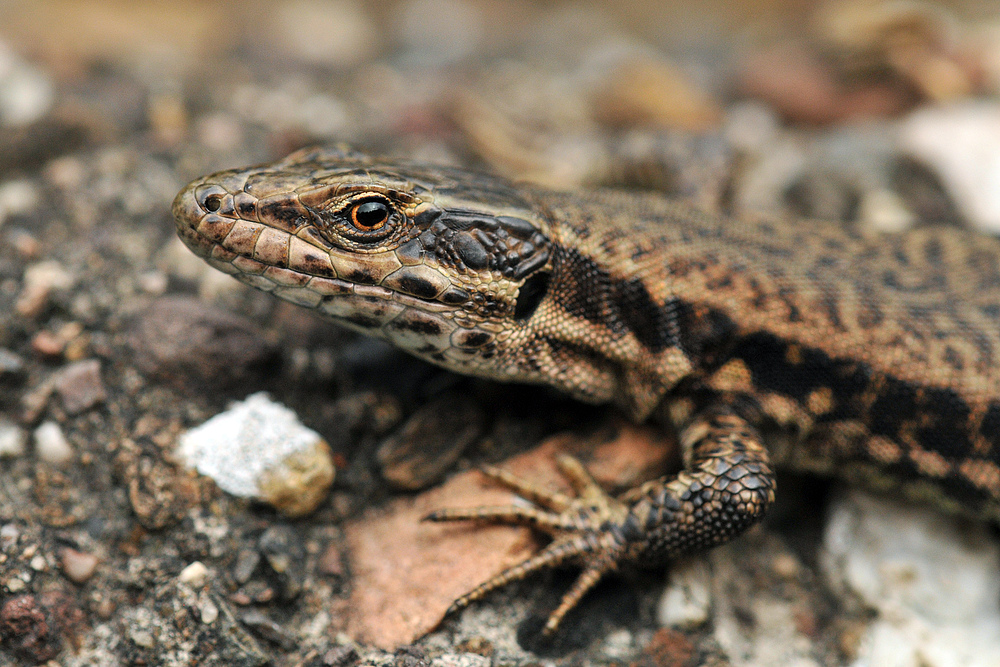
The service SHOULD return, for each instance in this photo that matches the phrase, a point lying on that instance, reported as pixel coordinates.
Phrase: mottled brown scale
(879, 354)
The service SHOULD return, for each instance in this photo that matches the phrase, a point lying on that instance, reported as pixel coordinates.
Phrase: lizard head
(447, 264)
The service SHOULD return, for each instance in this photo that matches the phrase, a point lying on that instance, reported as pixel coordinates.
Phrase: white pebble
(961, 143)
(933, 578)
(26, 94)
(209, 611)
(9, 534)
(259, 449)
(17, 196)
(39, 280)
(12, 439)
(885, 211)
(49, 274)
(38, 563)
(51, 445)
(194, 574)
(687, 599)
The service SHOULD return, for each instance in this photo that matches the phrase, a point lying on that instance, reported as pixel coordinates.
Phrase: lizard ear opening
(530, 295)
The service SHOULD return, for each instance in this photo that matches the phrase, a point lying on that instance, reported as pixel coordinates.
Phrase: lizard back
(882, 349)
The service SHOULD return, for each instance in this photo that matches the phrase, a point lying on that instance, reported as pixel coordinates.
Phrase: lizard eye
(370, 215)
(369, 222)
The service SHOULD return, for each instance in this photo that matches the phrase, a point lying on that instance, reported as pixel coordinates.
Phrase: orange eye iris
(370, 215)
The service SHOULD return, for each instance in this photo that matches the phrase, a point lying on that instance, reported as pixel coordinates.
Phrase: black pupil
(371, 214)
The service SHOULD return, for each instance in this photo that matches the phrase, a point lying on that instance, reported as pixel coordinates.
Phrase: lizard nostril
(213, 203)
(213, 198)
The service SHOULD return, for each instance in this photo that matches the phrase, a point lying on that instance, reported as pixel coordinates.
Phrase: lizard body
(878, 354)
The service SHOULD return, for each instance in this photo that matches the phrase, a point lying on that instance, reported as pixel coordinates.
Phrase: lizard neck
(613, 306)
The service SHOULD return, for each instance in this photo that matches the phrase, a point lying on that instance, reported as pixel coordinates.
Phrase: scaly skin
(878, 356)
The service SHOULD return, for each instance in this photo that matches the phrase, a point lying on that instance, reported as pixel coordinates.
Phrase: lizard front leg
(726, 486)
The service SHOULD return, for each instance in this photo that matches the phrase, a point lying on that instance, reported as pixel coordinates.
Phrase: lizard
(764, 341)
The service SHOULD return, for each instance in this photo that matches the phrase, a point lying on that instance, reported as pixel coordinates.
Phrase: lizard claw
(585, 529)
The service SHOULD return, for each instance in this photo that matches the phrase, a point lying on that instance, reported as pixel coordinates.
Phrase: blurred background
(559, 92)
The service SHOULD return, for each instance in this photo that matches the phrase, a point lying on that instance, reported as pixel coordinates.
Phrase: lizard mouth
(375, 294)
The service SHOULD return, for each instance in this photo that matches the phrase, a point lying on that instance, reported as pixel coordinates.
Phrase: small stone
(153, 282)
(27, 245)
(885, 211)
(104, 607)
(59, 342)
(786, 566)
(38, 563)
(51, 445)
(78, 566)
(35, 400)
(247, 561)
(47, 344)
(80, 387)
(26, 93)
(194, 574)
(331, 563)
(920, 570)
(9, 534)
(299, 483)
(19, 196)
(430, 442)
(209, 611)
(11, 364)
(284, 554)
(12, 439)
(264, 627)
(822, 195)
(751, 126)
(40, 279)
(141, 637)
(184, 340)
(168, 117)
(961, 145)
(67, 172)
(687, 600)
(259, 449)
(24, 629)
(339, 656)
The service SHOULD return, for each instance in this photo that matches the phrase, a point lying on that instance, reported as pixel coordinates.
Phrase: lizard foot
(726, 487)
(585, 528)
